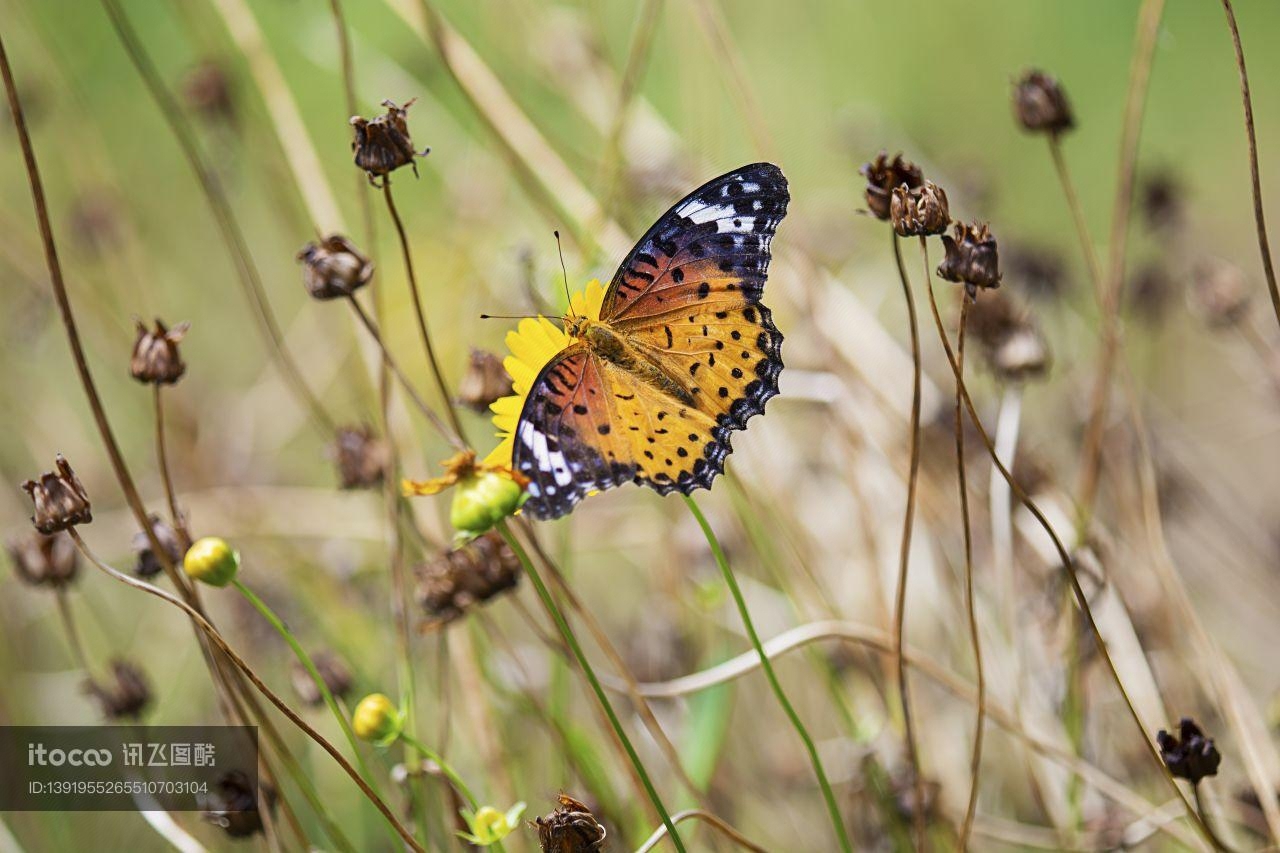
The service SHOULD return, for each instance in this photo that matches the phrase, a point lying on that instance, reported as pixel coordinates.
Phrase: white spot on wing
(738, 225)
(699, 212)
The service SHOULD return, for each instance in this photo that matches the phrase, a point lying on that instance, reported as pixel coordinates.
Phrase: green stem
(309, 665)
(767, 666)
(566, 632)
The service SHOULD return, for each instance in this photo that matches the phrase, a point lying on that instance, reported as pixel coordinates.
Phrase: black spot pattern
(692, 282)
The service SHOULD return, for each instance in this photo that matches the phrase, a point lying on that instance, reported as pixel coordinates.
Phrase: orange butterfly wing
(688, 299)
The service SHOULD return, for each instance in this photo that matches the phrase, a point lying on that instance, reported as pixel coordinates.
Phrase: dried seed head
(334, 268)
(233, 804)
(1040, 104)
(571, 828)
(884, 176)
(1011, 342)
(919, 211)
(382, 145)
(332, 671)
(156, 360)
(1220, 293)
(125, 696)
(208, 91)
(459, 579)
(94, 222)
(147, 564)
(1161, 200)
(60, 499)
(44, 560)
(1149, 292)
(485, 381)
(972, 257)
(1190, 755)
(361, 457)
(1037, 271)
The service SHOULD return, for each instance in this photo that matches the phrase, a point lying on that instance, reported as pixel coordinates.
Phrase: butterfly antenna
(567, 300)
(509, 316)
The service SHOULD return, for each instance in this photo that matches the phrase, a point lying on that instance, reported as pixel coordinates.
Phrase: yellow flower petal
(533, 344)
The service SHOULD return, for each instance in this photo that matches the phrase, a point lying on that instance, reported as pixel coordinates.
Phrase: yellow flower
(212, 561)
(533, 343)
(377, 719)
(489, 826)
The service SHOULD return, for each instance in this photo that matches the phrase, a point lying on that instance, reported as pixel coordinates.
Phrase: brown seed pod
(334, 673)
(571, 828)
(382, 145)
(919, 212)
(883, 177)
(334, 268)
(125, 696)
(972, 257)
(60, 499)
(485, 381)
(42, 560)
(147, 564)
(459, 579)
(362, 458)
(156, 360)
(1040, 104)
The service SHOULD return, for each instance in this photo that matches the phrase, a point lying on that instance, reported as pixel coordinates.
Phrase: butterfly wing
(717, 236)
(689, 297)
(565, 440)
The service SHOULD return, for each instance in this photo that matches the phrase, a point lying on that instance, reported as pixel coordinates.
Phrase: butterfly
(683, 354)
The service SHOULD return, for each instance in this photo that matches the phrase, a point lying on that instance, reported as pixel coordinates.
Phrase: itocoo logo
(39, 755)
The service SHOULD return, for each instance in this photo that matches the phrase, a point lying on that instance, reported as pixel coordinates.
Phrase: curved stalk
(730, 581)
(565, 631)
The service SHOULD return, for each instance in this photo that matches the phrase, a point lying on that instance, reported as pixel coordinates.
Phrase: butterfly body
(682, 354)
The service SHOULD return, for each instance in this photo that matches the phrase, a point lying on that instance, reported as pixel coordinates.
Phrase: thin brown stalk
(975, 760)
(1264, 246)
(73, 635)
(389, 360)
(619, 665)
(1077, 217)
(54, 265)
(711, 820)
(217, 639)
(346, 58)
(904, 550)
(228, 228)
(166, 477)
(1139, 77)
(881, 641)
(420, 314)
(1068, 565)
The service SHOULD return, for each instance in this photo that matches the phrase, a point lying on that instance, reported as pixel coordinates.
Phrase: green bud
(377, 720)
(211, 560)
(482, 500)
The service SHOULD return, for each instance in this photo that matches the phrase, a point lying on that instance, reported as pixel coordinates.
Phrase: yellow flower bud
(489, 826)
(377, 719)
(482, 500)
(212, 561)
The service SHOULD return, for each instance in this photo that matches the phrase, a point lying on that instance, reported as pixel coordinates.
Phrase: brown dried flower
(972, 257)
(1161, 200)
(1191, 755)
(147, 563)
(1011, 342)
(60, 499)
(1040, 104)
(383, 144)
(233, 804)
(362, 458)
(1220, 293)
(1038, 271)
(126, 696)
(919, 211)
(42, 560)
(208, 90)
(457, 580)
(571, 828)
(485, 381)
(884, 176)
(156, 360)
(334, 268)
(332, 670)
